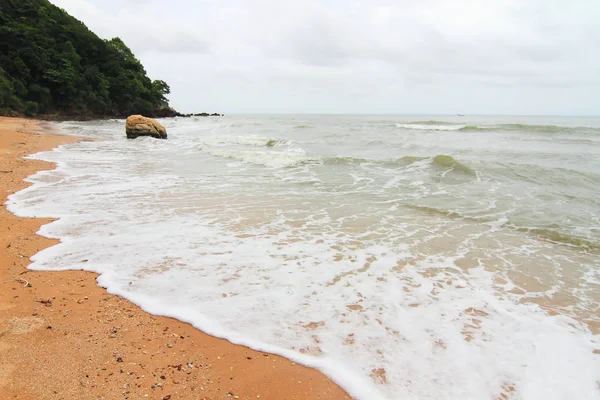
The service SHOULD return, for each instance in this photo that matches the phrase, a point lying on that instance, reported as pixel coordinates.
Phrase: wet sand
(63, 337)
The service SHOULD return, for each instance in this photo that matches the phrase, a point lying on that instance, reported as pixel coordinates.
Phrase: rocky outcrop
(201, 115)
(138, 125)
(165, 112)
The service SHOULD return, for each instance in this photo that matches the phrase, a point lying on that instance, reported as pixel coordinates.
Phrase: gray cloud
(375, 56)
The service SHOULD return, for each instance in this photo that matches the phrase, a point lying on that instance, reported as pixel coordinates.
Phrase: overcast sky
(376, 56)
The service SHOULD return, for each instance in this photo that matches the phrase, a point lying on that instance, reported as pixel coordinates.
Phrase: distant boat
(461, 115)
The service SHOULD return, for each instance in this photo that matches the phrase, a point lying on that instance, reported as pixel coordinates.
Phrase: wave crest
(564, 238)
(443, 126)
(255, 141)
(434, 125)
(343, 160)
(446, 161)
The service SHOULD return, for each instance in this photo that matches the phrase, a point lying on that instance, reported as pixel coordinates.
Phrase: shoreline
(62, 336)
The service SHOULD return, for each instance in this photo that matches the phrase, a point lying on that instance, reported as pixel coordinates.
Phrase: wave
(475, 128)
(376, 142)
(257, 141)
(538, 128)
(446, 161)
(532, 128)
(342, 160)
(437, 211)
(547, 234)
(518, 128)
(441, 161)
(274, 159)
(443, 126)
(434, 122)
(560, 237)
(275, 142)
(451, 126)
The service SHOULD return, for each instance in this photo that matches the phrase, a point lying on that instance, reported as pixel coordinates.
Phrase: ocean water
(406, 257)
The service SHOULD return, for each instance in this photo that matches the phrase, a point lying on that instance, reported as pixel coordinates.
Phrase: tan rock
(138, 125)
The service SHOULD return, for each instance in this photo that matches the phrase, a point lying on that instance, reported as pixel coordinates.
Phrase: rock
(166, 112)
(137, 125)
(204, 114)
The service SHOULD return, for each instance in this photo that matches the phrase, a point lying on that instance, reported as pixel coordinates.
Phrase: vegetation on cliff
(51, 63)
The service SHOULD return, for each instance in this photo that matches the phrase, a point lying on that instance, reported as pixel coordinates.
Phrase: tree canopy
(51, 63)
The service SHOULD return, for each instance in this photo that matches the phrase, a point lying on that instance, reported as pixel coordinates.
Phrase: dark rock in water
(138, 125)
(200, 115)
(166, 112)
(206, 115)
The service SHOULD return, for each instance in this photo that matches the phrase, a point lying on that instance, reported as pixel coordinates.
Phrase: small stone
(170, 346)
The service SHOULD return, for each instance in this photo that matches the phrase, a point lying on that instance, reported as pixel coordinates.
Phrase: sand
(63, 337)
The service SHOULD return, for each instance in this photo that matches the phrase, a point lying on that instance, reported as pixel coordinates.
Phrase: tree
(51, 62)
(160, 90)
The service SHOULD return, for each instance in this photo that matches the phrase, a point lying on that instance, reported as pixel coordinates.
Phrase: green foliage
(31, 108)
(51, 63)
(162, 89)
(6, 90)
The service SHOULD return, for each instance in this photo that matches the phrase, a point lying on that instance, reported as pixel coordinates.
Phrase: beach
(367, 201)
(401, 256)
(64, 337)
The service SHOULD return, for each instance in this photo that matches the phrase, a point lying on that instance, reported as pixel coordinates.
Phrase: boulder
(166, 112)
(137, 125)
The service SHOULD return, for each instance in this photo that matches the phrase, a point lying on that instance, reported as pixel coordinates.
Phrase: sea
(406, 257)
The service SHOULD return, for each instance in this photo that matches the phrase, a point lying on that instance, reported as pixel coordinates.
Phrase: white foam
(365, 290)
(428, 127)
(276, 159)
(251, 140)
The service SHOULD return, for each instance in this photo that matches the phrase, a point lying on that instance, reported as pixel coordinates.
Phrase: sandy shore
(63, 337)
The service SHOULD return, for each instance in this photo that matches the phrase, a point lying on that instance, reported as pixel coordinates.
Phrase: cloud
(139, 25)
(362, 56)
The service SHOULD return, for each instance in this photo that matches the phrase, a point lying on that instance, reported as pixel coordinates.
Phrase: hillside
(51, 64)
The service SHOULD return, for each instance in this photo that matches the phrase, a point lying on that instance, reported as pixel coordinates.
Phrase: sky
(536, 57)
